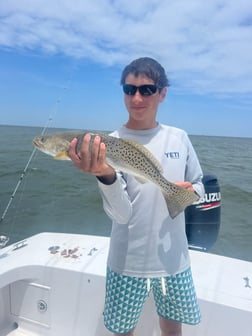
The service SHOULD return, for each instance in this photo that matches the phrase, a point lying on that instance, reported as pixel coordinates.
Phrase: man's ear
(162, 94)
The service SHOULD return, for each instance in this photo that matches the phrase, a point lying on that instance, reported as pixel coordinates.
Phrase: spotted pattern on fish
(124, 155)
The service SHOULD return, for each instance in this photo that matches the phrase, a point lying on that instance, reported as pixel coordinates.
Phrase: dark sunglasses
(144, 90)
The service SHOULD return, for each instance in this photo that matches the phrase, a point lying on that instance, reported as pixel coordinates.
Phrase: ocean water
(54, 196)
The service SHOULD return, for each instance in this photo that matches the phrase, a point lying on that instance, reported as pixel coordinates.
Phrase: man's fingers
(186, 185)
(90, 156)
(85, 150)
(72, 149)
(95, 151)
(102, 153)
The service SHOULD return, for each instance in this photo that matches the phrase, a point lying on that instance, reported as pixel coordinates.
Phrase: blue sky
(62, 60)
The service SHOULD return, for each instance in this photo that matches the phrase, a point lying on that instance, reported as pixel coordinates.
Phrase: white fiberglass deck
(53, 285)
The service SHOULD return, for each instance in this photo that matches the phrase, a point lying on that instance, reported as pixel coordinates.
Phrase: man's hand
(92, 160)
(186, 185)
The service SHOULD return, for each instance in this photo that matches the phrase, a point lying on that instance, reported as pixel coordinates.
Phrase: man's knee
(170, 328)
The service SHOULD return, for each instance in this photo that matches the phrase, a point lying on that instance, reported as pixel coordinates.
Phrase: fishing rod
(49, 120)
(3, 238)
(23, 173)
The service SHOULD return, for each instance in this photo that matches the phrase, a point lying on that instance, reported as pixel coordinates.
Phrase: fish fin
(146, 152)
(180, 202)
(62, 156)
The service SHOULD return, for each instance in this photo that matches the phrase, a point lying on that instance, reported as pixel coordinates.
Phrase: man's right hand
(92, 160)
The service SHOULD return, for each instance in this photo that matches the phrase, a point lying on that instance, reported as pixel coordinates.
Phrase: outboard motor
(202, 218)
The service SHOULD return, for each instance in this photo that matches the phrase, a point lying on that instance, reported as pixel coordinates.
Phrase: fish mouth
(36, 142)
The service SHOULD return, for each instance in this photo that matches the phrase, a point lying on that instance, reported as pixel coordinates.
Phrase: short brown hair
(148, 67)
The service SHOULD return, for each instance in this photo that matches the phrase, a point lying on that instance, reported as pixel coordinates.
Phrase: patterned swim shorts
(174, 295)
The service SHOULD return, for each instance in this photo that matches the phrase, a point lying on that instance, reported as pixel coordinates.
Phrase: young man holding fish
(148, 248)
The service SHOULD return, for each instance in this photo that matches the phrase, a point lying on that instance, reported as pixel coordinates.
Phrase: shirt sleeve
(116, 201)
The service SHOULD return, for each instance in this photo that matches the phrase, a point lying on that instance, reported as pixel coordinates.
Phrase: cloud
(205, 46)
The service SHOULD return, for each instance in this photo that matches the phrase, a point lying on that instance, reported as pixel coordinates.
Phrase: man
(148, 249)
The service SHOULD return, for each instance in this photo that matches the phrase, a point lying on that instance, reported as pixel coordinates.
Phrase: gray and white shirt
(145, 240)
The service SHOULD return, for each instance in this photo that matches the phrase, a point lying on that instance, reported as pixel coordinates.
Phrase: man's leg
(176, 302)
(170, 328)
(124, 300)
(128, 334)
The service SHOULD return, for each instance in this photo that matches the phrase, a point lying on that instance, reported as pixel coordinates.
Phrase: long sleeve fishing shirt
(145, 240)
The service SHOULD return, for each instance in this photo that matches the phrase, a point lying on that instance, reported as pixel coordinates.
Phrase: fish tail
(179, 201)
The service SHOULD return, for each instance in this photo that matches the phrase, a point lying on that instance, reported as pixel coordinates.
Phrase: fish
(124, 155)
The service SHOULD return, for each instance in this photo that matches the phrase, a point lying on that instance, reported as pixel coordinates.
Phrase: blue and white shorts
(174, 295)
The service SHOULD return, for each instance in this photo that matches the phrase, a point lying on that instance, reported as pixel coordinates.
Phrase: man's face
(142, 109)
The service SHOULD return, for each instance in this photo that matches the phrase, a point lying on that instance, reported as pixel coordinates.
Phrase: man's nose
(137, 97)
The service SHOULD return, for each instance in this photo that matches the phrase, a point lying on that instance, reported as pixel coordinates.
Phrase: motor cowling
(203, 217)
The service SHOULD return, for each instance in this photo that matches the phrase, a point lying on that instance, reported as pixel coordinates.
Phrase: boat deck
(52, 284)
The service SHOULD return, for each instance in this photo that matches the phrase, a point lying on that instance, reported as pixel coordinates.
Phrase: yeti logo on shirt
(172, 155)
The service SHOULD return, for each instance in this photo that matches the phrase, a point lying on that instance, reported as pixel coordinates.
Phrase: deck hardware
(3, 241)
(42, 306)
(20, 244)
(247, 285)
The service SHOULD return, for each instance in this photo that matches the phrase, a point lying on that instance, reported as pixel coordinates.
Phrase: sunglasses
(144, 90)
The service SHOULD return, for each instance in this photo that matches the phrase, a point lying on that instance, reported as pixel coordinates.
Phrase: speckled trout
(123, 155)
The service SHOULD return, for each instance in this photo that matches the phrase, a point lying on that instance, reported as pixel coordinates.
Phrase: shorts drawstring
(163, 285)
(148, 285)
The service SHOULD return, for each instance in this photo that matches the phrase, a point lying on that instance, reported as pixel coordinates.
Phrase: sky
(61, 61)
